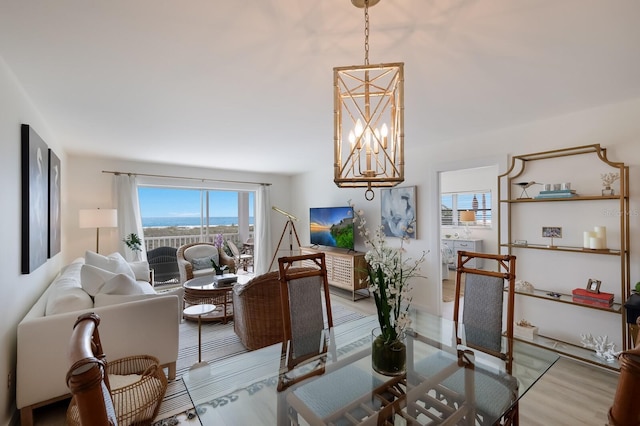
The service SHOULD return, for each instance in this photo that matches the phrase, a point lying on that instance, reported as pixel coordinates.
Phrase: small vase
(390, 358)
(607, 191)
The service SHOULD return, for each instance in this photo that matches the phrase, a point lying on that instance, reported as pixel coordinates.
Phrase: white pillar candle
(601, 232)
(587, 237)
(595, 243)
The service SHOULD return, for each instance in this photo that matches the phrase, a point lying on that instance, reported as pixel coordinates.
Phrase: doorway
(462, 191)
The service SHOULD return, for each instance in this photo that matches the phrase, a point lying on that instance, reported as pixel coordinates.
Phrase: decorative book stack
(601, 299)
(558, 193)
(225, 279)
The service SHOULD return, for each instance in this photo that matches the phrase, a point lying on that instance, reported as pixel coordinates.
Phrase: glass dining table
(244, 389)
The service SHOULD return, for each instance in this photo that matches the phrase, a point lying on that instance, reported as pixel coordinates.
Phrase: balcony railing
(179, 240)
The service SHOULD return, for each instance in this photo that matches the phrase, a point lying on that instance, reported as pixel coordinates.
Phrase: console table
(345, 269)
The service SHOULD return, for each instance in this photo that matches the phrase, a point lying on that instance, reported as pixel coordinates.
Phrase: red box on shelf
(602, 296)
(591, 302)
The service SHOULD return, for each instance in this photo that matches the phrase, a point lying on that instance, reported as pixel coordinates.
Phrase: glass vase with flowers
(389, 276)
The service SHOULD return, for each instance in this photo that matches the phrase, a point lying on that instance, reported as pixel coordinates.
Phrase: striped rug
(219, 341)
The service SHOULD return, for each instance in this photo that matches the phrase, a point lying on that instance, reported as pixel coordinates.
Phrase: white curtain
(262, 241)
(129, 219)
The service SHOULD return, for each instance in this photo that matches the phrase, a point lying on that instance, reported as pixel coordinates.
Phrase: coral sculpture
(601, 344)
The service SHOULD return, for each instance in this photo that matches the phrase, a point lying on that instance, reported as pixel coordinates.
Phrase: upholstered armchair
(194, 260)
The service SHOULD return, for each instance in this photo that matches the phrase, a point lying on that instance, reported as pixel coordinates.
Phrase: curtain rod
(186, 178)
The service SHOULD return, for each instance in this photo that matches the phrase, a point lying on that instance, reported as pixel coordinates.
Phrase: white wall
(616, 127)
(18, 292)
(90, 188)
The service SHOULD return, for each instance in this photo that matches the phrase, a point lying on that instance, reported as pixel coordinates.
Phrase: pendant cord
(366, 32)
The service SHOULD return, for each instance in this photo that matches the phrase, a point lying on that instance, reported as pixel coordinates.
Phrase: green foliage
(220, 270)
(133, 242)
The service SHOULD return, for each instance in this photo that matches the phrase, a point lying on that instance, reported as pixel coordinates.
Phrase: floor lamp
(98, 218)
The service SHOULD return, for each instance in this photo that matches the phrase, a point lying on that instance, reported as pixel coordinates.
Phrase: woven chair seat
(138, 385)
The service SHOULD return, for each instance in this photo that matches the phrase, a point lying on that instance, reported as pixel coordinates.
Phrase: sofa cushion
(68, 300)
(103, 299)
(65, 292)
(204, 262)
(113, 263)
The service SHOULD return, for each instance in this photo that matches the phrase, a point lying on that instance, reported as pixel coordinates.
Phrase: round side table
(199, 311)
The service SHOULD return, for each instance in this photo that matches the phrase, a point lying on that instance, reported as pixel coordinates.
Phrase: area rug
(219, 342)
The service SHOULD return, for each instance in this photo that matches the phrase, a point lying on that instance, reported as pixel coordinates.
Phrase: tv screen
(331, 226)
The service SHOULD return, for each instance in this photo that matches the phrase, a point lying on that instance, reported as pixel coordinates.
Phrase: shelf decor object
(607, 180)
(368, 102)
(559, 290)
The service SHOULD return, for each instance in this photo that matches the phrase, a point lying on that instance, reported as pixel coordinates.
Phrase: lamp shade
(98, 218)
(467, 216)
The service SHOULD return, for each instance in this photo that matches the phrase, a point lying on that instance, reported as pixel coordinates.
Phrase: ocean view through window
(176, 216)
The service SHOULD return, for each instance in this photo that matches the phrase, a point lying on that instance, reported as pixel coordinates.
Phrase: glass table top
(243, 389)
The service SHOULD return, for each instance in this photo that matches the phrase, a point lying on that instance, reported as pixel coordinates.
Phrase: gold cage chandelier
(368, 121)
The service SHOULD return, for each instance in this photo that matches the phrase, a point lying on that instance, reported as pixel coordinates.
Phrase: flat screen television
(331, 227)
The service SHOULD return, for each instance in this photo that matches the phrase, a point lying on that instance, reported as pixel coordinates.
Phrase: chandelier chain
(366, 32)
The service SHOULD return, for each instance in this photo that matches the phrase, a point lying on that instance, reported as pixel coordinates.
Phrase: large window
(453, 203)
(176, 216)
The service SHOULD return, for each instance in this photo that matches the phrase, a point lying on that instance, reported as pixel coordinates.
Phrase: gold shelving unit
(506, 234)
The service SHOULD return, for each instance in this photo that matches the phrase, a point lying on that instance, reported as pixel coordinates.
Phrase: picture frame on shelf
(552, 232)
(593, 286)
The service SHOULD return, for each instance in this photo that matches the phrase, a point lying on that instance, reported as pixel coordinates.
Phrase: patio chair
(241, 259)
(164, 263)
(194, 260)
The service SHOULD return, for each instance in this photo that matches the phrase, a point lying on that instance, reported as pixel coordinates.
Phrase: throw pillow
(203, 262)
(124, 285)
(93, 278)
(113, 263)
(141, 270)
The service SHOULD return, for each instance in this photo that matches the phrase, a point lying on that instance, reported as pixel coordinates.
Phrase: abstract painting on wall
(398, 212)
(35, 180)
(54, 204)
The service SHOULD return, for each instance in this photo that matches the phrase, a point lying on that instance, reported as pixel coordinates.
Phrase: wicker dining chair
(482, 316)
(305, 302)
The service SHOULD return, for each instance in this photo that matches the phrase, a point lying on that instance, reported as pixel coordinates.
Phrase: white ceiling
(247, 84)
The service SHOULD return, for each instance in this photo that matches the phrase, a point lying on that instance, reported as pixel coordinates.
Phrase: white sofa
(131, 324)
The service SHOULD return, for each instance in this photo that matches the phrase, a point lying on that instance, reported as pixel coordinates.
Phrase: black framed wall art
(54, 205)
(35, 205)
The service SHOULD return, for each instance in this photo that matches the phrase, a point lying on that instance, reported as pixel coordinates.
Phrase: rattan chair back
(87, 379)
(306, 312)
